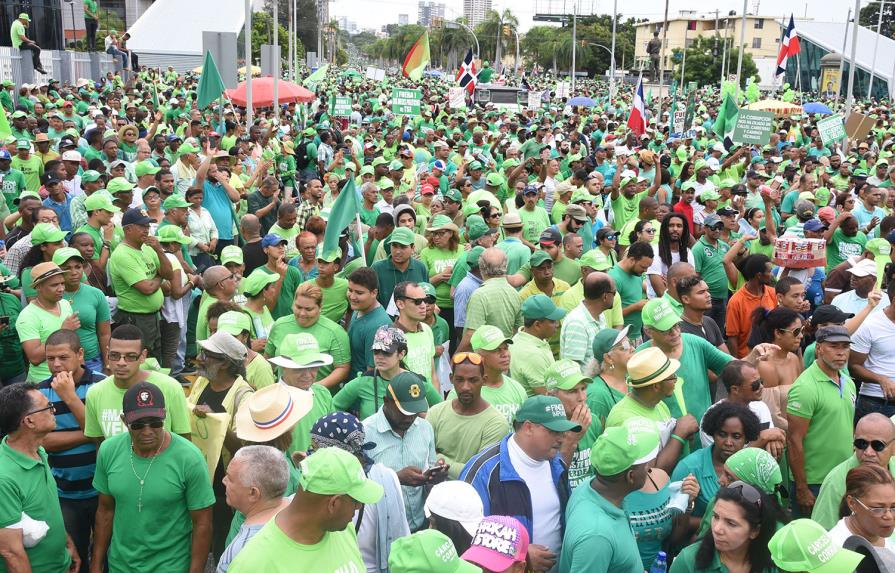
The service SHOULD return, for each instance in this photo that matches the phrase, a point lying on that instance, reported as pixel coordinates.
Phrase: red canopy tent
(262, 93)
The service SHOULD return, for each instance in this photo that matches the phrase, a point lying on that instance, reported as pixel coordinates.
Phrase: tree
(260, 26)
(704, 62)
(306, 24)
(870, 18)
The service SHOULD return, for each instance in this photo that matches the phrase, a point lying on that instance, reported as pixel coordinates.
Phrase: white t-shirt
(841, 532)
(660, 268)
(758, 408)
(876, 338)
(546, 516)
(850, 302)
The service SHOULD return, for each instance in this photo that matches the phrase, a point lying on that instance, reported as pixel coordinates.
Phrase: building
(429, 11)
(762, 38)
(475, 11)
(403, 19)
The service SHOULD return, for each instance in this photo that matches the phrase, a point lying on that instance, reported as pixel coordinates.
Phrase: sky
(386, 11)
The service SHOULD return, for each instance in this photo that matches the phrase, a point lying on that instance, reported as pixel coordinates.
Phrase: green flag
(5, 131)
(727, 119)
(317, 76)
(211, 86)
(343, 211)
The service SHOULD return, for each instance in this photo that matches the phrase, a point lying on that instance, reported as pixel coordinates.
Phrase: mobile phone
(429, 473)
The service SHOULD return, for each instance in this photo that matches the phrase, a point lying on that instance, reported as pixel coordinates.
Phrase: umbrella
(817, 107)
(351, 73)
(779, 108)
(256, 71)
(582, 101)
(262, 93)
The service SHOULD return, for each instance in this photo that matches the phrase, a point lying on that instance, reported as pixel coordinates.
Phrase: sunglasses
(610, 238)
(795, 331)
(877, 445)
(416, 301)
(140, 424)
(649, 230)
(756, 384)
(464, 356)
(747, 492)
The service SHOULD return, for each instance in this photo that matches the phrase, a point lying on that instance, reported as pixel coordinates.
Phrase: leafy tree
(704, 62)
(260, 25)
(870, 18)
(306, 25)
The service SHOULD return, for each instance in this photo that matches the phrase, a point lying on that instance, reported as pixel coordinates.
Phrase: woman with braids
(783, 327)
(673, 247)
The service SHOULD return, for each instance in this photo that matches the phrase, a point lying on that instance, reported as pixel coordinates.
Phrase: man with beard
(312, 204)
(673, 247)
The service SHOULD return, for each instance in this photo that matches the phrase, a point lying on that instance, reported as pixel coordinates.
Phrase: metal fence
(63, 65)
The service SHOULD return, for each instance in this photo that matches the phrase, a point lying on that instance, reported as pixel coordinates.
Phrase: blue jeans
(95, 364)
(116, 52)
(867, 405)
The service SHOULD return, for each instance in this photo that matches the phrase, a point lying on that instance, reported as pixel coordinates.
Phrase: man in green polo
(530, 355)
(400, 266)
(21, 41)
(99, 225)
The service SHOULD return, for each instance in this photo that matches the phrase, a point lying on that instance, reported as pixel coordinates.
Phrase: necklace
(142, 480)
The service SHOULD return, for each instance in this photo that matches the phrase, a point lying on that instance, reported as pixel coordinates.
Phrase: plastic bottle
(660, 565)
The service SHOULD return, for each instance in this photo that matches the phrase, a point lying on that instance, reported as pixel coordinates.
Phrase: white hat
(224, 343)
(865, 268)
(458, 501)
(719, 147)
(713, 164)
(71, 156)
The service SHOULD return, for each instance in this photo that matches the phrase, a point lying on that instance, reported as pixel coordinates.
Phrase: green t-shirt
(90, 5)
(628, 408)
(530, 357)
(259, 373)
(581, 470)
(565, 269)
(365, 394)
(507, 399)
(533, 223)
(104, 407)
(601, 399)
(32, 169)
(626, 209)
(361, 331)
(151, 528)
(830, 409)
(272, 551)
(458, 438)
(709, 262)
(12, 186)
(421, 351)
(842, 247)
(34, 323)
(630, 287)
(93, 309)
(323, 405)
(12, 358)
(27, 486)
(291, 281)
(331, 338)
(335, 300)
(517, 254)
(16, 31)
(127, 267)
(436, 261)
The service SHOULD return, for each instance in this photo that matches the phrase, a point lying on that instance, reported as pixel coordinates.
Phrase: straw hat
(649, 366)
(271, 412)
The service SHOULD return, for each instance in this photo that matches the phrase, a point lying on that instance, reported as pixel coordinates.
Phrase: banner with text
(406, 102)
(342, 107)
(831, 129)
(753, 127)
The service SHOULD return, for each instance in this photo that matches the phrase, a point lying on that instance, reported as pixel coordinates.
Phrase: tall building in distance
(429, 12)
(475, 10)
(403, 19)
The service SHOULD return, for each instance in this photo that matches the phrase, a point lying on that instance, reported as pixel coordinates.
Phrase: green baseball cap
(606, 339)
(396, 165)
(366, 170)
(175, 201)
(385, 183)
(172, 234)
(473, 256)
(46, 233)
(495, 179)
(488, 337)
(309, 131)
(822, 196)
(709, 195)
(659, 314)
(230, 254)
(619, 448)
(596, 260)
(118, 185)
(187, 148)
(65, 253)
(100, 201)
(333, 471)
(581, 196)
(377, 161)
(476, 227)
(27, 193)
(256, 281)
(803, 545)
(540, 307)
(234, 322)
(407, 390)
(453, 195)
(90, 176)
(330, 256)
(146, 168)
(402, 236)
(427, 551)
(428, 289)
(564, 375)
(546, 411)
(538, 258)
(299, 351)
(475, 165)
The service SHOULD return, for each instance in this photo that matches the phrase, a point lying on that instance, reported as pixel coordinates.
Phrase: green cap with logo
(256, 281)
(298, 351)
(546, 411)
(619, 448)
(231, 254)
(408, 391)
(540, 307)
(659, 314)
(234, 322)
(118, 185)
(488, 337)
(100, 201)
(596, 260)
(333, 471)
(174, 201)
(427, 551)
(428, 289)
(564, 375)
(64, 254)
(46, 233)
(803, 545)
(453, 195)
(172, 234)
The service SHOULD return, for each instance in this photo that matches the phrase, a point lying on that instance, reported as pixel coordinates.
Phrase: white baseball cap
(458, 501)
(865, 268)
(71, 156)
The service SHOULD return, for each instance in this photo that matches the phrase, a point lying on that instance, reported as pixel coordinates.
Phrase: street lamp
(612, 59)
(453, 24)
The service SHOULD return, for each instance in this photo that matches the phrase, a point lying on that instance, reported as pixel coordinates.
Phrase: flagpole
(850, 98)
(842, 58)
(360, 236)
(248, 63)
(740, 50)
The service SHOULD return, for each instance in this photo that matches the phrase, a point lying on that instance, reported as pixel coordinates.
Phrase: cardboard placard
(831, 129)
(857, 126)
(534, 100)
(406, 102)
(563, 89)
(753, 127)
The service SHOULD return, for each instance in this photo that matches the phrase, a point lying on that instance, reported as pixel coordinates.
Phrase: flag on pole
(727, 121)
(466, 77)
(637, 119)
(317, 76)
(417, 58)
(789, 46)
(211, 86)
(343, 211)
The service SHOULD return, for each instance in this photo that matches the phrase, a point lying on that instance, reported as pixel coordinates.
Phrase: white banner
(457, 97)
(534, 100)
(375, 73)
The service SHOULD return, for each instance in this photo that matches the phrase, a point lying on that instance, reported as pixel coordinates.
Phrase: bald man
(676, 272)
(873, 443)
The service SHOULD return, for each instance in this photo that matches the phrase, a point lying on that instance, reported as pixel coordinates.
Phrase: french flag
(637, 119)
(788, 47)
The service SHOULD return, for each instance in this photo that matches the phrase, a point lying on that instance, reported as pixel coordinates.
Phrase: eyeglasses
(416, 301)
(51, 407)
(650, 230)
(875, 511)
(129, 357)
(464, 356)
(747, 492)
(140, 424)
(877, 445)
(795, 331)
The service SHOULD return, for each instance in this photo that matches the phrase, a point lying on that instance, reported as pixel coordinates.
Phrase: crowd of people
(543, 342)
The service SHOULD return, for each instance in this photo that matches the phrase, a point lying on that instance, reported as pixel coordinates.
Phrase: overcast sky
(377, 13)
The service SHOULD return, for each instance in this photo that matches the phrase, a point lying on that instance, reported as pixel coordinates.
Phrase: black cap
(135, 217)
(550, 236)
(726, 212)
(143, 400)
(827, 313)
(833, 334)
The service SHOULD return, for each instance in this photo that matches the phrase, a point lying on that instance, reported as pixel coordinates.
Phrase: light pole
(850, 98)
(842, 57)
(456, 24)
(276, 63)
(611, 59)
(742, 45)
(879, 27)
(612, 51)
(574, 45)
(248, 54)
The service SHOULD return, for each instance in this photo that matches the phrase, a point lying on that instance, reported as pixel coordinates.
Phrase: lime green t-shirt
(32, 169)
(507, 399)
(35, 323)
(335, 300)
(436, 261)
(104, 407)
(272, 551)
(323, 405)
(127, 267)
(93, 311)
(16, 31)
(331, 338)
(421, 351)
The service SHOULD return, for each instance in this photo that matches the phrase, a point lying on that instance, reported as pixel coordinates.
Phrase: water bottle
(660, 565)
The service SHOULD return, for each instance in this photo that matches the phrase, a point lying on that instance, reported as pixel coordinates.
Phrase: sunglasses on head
(877, 445)
(747, 492)
(467, 356)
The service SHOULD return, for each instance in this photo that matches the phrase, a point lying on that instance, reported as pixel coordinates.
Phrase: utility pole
(879, 27)
(612, 59)
(851, 65)
(291, 35)
(497, 44)
(740, 51)
(662, 62)
(574, 44)
(276, 63)
(842, 57)
(248, 51)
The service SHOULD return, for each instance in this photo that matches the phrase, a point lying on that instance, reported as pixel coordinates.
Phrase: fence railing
(63, 65)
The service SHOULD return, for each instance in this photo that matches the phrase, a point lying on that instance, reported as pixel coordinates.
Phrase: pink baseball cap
(826, 214)
(498, 543)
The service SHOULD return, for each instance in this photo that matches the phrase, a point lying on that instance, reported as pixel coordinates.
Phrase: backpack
(301, 156)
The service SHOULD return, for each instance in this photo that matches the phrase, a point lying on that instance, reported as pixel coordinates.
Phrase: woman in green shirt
(439, 258)
(612, 350)
(46, 238)
(262, 297)
(742, 524)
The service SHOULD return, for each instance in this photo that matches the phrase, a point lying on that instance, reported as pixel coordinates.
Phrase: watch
(107, 245)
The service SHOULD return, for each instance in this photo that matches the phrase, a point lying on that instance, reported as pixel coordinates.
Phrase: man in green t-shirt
(628, 276)
(22, 42)
(155, 495)
(30, 165)
(315, 532)
(91, 23)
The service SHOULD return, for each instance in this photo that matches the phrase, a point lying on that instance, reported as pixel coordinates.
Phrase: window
(756, 43)
(689, 44)
(759, 23)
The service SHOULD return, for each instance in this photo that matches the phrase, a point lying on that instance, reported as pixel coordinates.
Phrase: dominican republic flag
(788, 47)
(637, 119)
(467, 74)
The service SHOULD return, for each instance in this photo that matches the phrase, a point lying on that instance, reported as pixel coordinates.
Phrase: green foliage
(547, 46)
(870, 18)
(704, 62)
(260, 35)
